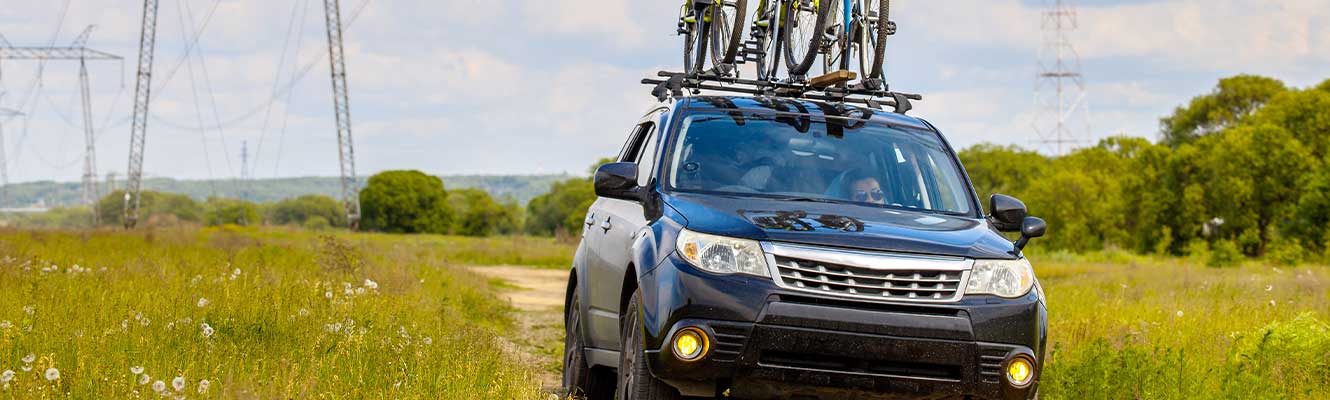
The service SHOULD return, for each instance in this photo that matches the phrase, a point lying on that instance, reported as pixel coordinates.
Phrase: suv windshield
(853, 161)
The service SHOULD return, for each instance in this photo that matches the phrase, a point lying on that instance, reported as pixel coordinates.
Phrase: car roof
(800, 106)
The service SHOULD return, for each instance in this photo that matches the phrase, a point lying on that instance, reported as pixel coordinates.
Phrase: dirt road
(538, 296)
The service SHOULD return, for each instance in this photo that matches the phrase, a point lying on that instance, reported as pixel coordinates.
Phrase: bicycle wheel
(727, 29)
(841, 48)
(801, 33)
(688, 29)
(873, 38)
(766, 32)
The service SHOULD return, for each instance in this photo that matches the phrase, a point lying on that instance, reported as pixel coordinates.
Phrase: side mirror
(1031, 228)
(1006, 213)
(617, 181)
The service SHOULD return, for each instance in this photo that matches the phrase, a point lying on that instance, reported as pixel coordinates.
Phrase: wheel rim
(722, 24)
(802, 30)
(836, 52)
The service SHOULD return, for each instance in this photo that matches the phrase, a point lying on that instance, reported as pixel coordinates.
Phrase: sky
(550, 86)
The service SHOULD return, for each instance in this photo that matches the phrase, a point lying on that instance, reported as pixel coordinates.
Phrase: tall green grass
(255, 314)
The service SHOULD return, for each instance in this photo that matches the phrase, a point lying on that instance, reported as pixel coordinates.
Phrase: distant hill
(520, 188)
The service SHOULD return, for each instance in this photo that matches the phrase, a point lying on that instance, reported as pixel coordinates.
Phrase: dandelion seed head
(372, 285)
(124, 324)
(1272, 303)
(360, 290)
(203, 386)
(327, 294)
(28, 359)
(6, 376)
(207, 330)
(136, 370)
(303, 312)
(52, 374)
(26, 367)
(428, 341)
(144, 379)
(178, 383)
(1179, 313)
(6, 324)
(203, 302)
(158, 386)
(29, 310)
(1269, 287)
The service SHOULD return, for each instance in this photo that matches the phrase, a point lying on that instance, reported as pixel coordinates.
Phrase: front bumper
(769, 342)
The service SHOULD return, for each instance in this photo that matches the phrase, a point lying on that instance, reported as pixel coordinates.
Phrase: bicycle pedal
(751, 51)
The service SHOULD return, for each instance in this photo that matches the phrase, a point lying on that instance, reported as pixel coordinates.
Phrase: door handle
(606, 225)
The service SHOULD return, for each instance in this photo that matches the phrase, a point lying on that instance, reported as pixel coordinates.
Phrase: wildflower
(145, 322)
(52, 374)
(28, 359)
(1179, 313)
(207, 330)
(372, 285)
(327, 294)
(428, 341)
(303, 312)
(196, 279)
(6, 376)
(1269, 287)
(136, 370)
(29, 310)
(55, 268)
(178, 383)
(203, 302)
(1272, 303)
(26, 367)
(6, 324)
(158, 386)
(144, 379)
(124, 324)
(203, 386)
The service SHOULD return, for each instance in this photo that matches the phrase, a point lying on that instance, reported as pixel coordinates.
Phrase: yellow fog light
(690, 344)
(1020, 372)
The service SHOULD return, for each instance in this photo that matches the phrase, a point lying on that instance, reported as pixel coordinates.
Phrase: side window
(633, 147)
(647, 160)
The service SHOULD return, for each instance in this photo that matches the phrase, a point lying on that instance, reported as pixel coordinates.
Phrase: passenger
(862, 187)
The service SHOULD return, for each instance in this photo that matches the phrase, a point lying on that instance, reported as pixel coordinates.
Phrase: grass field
(255, 314)
(283, 314)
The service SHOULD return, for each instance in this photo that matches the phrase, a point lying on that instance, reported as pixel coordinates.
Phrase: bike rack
(673, 84)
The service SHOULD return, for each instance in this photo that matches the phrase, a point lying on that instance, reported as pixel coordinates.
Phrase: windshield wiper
(809, 200)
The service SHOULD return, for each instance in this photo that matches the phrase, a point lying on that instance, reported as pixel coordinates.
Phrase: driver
(862, 187)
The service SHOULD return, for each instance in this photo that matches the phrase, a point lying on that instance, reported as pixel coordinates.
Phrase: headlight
(722, 255)
(1003, 278)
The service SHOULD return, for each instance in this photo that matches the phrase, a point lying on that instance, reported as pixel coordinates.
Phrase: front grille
(990, 363)
(865, 282)
(861, 365)
(729, 341)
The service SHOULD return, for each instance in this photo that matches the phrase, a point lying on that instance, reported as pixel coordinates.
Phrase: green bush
(155, 208)
(1286, 252)
(1283, 359)
(299, 210)
(1224, 253)
(220, 211)
(405, 202)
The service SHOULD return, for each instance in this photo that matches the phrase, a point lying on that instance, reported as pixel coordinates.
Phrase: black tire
(727, 31)
(689, 48)
(799, 60)
(579, 380)
(769, 41)
(875, 40)
(635, 381)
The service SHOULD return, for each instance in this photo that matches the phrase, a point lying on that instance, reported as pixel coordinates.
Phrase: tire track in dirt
(537, 297)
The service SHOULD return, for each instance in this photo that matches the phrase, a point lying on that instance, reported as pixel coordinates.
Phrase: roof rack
(832, 87)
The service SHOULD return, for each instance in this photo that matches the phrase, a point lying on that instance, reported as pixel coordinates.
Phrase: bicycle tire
(841, 49)
(875, 70)
(723, 50)
(769, 39)
(799, 64)
(689, 43)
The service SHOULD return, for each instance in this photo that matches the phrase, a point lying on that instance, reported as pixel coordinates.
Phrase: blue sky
(544, 86)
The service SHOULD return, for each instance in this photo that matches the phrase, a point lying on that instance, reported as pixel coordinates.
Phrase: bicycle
(718, 23)
(858, 36)
(800, 37)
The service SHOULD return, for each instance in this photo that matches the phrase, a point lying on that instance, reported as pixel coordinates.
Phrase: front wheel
(579, 380)
(635, 381)
(727, 27)
(801, 33)
(873, 39)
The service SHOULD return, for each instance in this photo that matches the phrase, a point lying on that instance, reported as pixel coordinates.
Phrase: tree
(154, 208)
(1233, 100)
(479, 215)
(1303, 113)
(1007, 170)
(564, 207)
(1252, 176)
(297, 211)
(223, 211)
(405, 202)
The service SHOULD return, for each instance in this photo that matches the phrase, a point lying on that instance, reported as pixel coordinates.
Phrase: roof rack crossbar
(675, 84)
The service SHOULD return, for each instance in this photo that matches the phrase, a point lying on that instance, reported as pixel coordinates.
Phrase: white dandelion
(144, 379)
(372, 285)
(203, 386)
(52, 374)
(158, 386)
(428, 341)
(136, 370)
(178, 383)
(303, 312)
(1179, 313)
(26, 367)
(28, 359)
(196, 279)
(6, 324)
(207, 330)
(55, 268)
(29, 310)
(327, 294)
(1269, 287)
(1272, 303)
(203, 302)
(6, 376)
(360, 290)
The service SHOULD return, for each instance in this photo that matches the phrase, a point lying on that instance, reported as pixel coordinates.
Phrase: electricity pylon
(1060, 68)
(142, 92)
(342, 107)
(77, 51)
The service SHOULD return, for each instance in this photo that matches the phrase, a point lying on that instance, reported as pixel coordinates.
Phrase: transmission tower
(342, 107)
(244, 170)
(77, 51)
(142, 92)
(1060, 74)
(4, 163)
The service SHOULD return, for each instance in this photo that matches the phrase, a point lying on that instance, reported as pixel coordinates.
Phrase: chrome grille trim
(887, 277)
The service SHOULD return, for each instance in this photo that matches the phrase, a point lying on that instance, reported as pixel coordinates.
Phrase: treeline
(1243, 170)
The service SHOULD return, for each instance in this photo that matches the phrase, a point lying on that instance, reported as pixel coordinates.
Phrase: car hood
(841, 225)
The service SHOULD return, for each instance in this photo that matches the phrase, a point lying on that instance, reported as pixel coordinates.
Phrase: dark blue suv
(764, 248)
